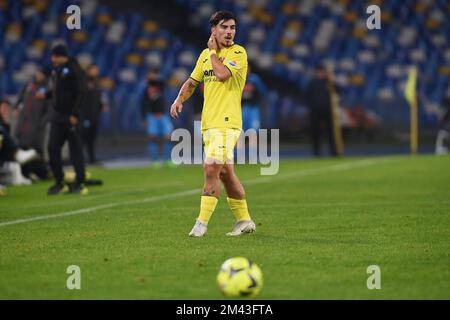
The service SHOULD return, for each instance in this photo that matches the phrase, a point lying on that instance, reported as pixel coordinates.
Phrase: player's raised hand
(176, 108)
(212, 42)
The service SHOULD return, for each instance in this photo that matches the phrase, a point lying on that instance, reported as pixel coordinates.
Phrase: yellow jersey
(222, 100)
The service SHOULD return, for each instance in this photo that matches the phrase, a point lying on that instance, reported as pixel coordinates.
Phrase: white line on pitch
(332, 168)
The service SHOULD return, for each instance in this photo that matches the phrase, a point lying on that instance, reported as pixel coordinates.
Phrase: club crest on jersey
(65, 71)
(232, 63)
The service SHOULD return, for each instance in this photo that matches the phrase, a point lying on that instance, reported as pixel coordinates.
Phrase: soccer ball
(239, 277)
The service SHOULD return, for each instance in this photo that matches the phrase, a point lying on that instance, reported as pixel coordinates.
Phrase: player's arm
(186, 91)
(221, 72)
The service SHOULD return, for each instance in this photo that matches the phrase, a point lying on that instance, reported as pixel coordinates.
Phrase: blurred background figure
(318, 100)
(11, 156)
(5, 115)
(252, 100)
(443, 135)
(285, 40)
(90, 112)
(156, 120)
(33, 116)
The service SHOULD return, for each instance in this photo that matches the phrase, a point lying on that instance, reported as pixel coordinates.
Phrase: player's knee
(211, 171)
(224, 176)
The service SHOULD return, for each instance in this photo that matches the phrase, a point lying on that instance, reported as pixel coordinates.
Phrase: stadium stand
(290, 37)
(285, 39)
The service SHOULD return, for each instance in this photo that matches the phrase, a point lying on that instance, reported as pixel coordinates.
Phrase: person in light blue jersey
(158, 125)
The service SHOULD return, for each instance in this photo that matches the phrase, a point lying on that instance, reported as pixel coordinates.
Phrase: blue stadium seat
(274, 19)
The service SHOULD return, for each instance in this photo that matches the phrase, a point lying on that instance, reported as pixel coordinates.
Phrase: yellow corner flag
(411, 97)
(411, 84)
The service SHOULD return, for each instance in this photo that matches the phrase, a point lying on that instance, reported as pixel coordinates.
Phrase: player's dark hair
(60, 50)
(221, 15)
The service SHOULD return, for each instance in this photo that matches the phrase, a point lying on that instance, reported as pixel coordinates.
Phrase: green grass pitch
(320, 224)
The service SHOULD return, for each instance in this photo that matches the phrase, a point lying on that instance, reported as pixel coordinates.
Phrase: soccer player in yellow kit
(223, 69)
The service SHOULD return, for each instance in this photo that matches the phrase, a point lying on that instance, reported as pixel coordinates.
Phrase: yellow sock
(207, 206)
(239, 208)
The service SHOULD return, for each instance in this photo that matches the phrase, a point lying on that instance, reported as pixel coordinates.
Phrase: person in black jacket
(443, 135)
(67, 96)
(318, 99)
(444, 123)
(90, 112)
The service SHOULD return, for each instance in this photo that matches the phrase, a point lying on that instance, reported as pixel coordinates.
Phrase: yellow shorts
(219, 144)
